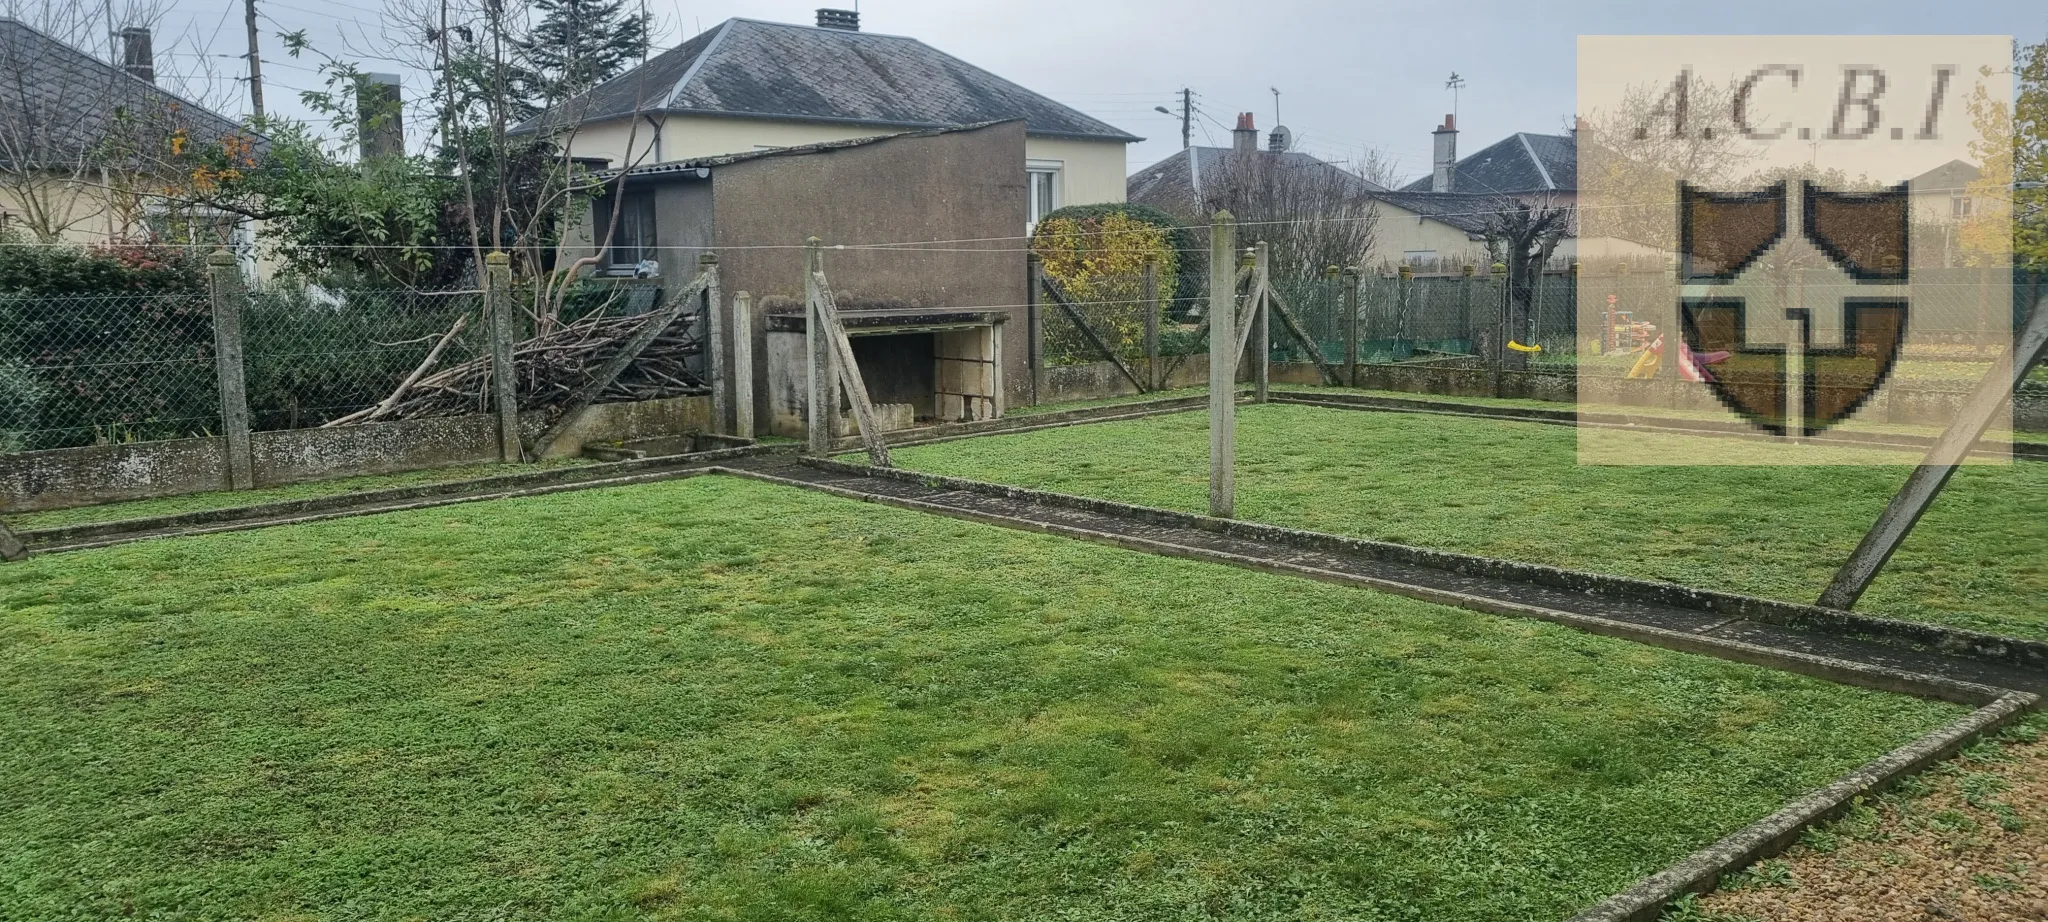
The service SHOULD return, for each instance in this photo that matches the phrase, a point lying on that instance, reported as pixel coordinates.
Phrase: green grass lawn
(1979, 559)
(228, 499)
(716, 699)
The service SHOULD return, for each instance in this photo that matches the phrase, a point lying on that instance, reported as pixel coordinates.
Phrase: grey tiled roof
(1521, 163)
(57, 102)
(746, 67)
(1465, 212)
(1169, 184)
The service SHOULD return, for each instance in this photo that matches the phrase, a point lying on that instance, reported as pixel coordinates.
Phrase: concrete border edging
(1702, 870)
(1957, 641)
(342, 505)
(1846, 672)
(1029, 422)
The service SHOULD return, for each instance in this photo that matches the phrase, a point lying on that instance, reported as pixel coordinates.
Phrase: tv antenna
(1454, 84)
(1276, 104)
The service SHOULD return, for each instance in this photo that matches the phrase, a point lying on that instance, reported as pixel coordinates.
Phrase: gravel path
(1965, 842)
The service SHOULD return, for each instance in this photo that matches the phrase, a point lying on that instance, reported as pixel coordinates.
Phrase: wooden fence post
(819, 413)
(743, 365)
(1034, 324)
(716, 349)
(230, 298)
(1222, 366)
(1152, 378)
(1262, 326)
(504, 371)
(1352, 277)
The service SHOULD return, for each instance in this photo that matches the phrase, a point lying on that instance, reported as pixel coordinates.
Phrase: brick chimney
(137, 57)
(842, 20)
(380, 116)
(1245, 139)
(1443, 164)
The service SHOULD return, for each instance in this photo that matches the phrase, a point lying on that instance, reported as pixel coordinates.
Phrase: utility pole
(1187, 117)
(255, 62)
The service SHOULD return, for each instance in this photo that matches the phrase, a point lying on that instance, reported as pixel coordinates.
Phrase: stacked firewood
(550, 368)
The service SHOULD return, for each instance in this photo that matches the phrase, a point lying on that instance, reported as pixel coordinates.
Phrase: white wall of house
(1090, 172)
(1404, 236)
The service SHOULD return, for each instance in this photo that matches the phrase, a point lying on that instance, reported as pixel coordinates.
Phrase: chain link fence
(106, 368)
(1109, 314)
(314, 356)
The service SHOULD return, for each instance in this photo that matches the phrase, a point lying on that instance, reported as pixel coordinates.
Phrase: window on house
(1042, 186)
(1959, 207)
(1418, 257)
(633, 239)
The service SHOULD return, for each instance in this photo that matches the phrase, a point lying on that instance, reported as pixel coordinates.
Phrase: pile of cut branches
(550, 368)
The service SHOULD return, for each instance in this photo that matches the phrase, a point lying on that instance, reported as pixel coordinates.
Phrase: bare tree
(1522, 234)
(1311, 214)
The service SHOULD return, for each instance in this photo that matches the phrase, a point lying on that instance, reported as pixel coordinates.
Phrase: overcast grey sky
(1352, 75)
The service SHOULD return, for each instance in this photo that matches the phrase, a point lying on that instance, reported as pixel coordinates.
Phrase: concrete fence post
(504, 372)
(1499, 346)
(1034, 324)
(1222, 366)
(743, 364)
(1151, 296)
(230, 300)
(818, 409)
(715, 348)
(1404, 287)
(1465, 305)
(1352, 277)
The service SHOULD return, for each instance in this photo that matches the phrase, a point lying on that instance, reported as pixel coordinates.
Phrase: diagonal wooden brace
(1947, 454)
(826, 310)
(11, 548)
(1059, 297)
(1280, 309)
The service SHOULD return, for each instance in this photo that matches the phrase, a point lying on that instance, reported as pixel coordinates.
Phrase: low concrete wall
(1899, 404)
(66, 477)
(1096, 380)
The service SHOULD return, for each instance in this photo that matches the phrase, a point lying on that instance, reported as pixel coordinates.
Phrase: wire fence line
(1453, 317)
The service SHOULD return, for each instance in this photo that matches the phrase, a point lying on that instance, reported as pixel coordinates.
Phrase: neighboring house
(1188, 183)
(1439, 219)
(748, 85)
(940, 333)
(78, 137)
(1941, 203)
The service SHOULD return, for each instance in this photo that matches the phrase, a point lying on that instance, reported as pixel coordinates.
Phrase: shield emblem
(1863, 234)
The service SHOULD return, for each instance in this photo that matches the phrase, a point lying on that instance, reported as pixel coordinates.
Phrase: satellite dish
(1281, 140)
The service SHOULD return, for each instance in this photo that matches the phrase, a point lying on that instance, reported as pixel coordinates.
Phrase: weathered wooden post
(719, 358)
(504, 372)
(819, 411)
(1262, 327)
(1352, 275)
(1151, 296)
(230, 298)
(1034, 324)
(743, 364)
(1222, 366)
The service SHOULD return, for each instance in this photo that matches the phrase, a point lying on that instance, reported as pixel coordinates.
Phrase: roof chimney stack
(1443, 166)
(843, 20)
(1245, 139)
(137, 57)
(380, 116)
